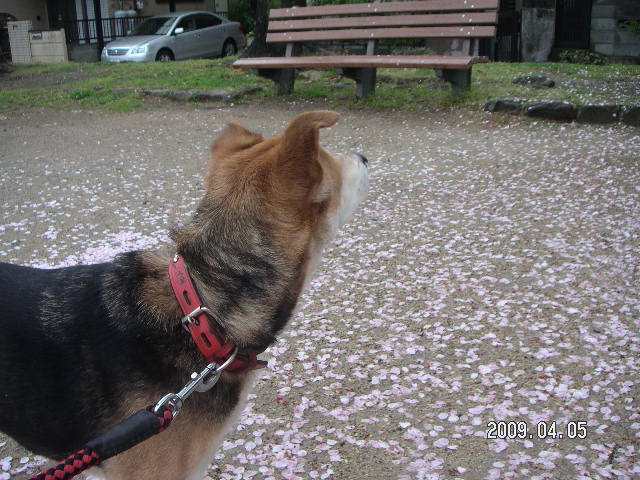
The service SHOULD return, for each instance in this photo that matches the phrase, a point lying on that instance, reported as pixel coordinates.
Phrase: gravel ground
(492, 276)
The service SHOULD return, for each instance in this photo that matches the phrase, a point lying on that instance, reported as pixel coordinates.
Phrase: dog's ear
(301, 139)
(298, 162)
(234, 138)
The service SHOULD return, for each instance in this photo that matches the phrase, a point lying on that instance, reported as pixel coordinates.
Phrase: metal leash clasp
(200, 382)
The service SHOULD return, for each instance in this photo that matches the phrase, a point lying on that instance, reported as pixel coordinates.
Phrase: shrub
(584, 57)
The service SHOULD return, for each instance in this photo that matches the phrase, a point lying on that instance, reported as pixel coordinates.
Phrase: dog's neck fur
(243, 278)
(240, 274)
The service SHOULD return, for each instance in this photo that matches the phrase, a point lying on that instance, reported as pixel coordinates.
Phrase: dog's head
(270, 207)
(306, 189)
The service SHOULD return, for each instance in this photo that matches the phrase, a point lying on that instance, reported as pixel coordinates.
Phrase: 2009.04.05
(513, 430)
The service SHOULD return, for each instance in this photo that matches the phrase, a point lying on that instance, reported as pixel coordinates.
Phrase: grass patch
(116, 87)
(101, 85)
(79, 94)
(195, 74)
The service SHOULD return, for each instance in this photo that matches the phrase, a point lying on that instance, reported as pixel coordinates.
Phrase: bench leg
(459, 79)
(365, 80)
(283, 77)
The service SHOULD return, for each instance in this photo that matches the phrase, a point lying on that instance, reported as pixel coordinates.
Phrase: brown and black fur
(83, 347)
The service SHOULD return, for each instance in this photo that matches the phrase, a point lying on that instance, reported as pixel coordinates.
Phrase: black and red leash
(220, 354)
(131, 431)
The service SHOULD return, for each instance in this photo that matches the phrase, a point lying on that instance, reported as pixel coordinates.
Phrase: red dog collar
(208, 337)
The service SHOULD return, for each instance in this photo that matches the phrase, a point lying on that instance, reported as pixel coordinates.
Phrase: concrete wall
(34, 10)
(83, 53)
(48, 46)
(608, 37)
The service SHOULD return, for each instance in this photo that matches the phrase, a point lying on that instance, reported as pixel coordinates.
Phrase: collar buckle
(191, 318)
(209, 338)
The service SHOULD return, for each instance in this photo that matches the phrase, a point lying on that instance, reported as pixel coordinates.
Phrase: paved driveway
(491, 278)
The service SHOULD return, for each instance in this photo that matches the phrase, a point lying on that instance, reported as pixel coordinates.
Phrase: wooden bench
(372, 22)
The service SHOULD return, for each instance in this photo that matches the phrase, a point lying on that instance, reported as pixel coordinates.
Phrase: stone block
(537, 36)
(603, 24)
(552, 110)
(603, 48)
(506, 105)
(627, 9)
(599, 113)
(627, 50)
(535, 81)
(631, 115)
(623, 36)
(603, 11)
(603, 36)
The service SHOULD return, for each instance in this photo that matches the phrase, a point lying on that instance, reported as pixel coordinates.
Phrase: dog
(83, 347)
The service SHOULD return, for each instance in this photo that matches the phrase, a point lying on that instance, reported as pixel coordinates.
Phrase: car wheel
(164, 55)
(229, 48)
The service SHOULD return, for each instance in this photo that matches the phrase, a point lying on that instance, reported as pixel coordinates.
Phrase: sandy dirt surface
(491, 276)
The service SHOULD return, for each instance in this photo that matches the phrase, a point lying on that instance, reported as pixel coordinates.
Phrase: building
(602, 26)
(89, 24)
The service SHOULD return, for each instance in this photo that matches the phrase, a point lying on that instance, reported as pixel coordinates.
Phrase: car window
(188, 23)
(203, 20)
(154, 26)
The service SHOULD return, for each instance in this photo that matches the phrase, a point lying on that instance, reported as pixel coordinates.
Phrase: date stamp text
(506, 430)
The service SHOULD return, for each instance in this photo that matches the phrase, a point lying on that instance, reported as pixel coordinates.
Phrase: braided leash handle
(71, 466)
(126, 434)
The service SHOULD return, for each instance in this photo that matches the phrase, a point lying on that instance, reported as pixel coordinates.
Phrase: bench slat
(474, 18)
(389, 7)
(381, 33)
(362, 61)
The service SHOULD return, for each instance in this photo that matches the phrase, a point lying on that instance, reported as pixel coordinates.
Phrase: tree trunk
(259, 47)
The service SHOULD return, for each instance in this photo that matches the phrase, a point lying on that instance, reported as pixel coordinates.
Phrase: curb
(563, 111)
(196, 95)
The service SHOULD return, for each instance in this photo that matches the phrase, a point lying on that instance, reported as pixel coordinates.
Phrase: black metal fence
(84, 31)
(507, 45)
(573, 23)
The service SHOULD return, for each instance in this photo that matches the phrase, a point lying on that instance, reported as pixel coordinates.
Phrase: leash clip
(200, 382)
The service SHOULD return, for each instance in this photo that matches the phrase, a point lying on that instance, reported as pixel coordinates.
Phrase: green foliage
(630, 25)
(241, 11)
(584, 57)
(79, 94)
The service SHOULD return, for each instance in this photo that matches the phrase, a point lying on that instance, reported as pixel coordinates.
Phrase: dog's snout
(363, 159)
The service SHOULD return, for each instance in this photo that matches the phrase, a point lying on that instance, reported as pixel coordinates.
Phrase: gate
(573, 23)
(506, 46)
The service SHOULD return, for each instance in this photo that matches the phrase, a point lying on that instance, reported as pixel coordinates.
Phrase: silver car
(176, 36)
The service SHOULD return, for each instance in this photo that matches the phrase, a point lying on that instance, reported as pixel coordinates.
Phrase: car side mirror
(178, 31)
